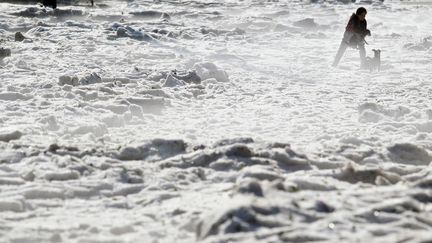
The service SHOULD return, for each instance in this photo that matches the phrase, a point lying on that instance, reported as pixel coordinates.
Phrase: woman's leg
(342, 47)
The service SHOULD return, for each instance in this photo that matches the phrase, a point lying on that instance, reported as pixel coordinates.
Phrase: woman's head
(361, 13)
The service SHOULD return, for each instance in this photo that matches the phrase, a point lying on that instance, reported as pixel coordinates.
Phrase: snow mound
(8, 136)
(40, 12)
(152, 14)
(424, 45)
(409, 154)
(75, 80)
(5, 52)
(209, 70)
(154, 149)
(242, 218)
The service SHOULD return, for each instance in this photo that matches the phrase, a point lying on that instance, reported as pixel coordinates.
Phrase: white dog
(375, 62)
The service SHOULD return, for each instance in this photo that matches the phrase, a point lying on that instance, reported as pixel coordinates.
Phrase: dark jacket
(358, 29)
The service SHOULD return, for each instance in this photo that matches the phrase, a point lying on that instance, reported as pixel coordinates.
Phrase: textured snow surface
(213, 121)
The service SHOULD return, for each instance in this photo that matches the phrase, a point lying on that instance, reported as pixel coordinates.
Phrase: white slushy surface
(106, 136)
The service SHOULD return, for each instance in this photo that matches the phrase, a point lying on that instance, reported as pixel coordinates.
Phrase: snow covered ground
(214, 121)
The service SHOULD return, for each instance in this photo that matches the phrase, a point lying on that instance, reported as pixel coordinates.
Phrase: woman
(354, 35)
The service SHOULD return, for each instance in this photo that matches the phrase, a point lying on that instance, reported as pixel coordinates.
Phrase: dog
(375, 62)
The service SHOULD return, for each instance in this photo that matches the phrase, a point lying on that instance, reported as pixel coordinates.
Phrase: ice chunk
(8, 136)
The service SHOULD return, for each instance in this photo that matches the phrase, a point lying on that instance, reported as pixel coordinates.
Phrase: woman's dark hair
(361, 10)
